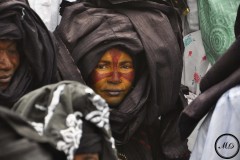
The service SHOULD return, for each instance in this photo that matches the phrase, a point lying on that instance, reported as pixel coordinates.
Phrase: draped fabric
(151, 33)
(20, 141)
(213, 17)
(72, 118)
(47, 11)
(37, 50)
(222, 76)
(223, 120)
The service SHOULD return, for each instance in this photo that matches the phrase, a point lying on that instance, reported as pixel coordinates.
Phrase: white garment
(195, 63)
(192, 16)
(224, 119)
(48, 10)
(190, 21)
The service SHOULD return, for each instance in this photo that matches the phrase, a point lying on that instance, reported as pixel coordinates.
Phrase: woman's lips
(5, 79)
(113, 93)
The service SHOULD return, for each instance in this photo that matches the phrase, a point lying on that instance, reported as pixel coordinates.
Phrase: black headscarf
(72, 117)
(146, 30)
(222, 76)
(19, 140)
(37, 50)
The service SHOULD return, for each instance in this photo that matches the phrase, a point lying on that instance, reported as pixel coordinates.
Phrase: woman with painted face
(113, 76)
(135, 67)
(27, 52)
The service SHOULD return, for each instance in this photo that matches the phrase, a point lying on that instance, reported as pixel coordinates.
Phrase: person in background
(48, 11)
(29, 55)
(133, 59)
(219, 102)
(27, 52)
(9, 61)
(72, 118)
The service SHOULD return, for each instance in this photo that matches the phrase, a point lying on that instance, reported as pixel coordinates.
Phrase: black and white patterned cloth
(19, 140)
(68, 113)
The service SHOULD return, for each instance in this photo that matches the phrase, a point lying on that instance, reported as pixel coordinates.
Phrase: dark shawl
(37, 50)
(146, 30)
(71, 116)
(19, 140)
(222, 76)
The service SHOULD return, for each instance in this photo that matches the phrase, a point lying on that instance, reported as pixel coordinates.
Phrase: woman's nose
(115, 77)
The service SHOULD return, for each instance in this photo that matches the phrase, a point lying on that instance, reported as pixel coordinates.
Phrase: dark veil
(19, 140)
(37, 49)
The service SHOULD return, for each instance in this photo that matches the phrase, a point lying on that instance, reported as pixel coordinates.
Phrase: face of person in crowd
(93, 156)
(113, 76)
(9, 62)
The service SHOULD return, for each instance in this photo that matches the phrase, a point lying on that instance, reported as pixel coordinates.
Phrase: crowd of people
(103, 84)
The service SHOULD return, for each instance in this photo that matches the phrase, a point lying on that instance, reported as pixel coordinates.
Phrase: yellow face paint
(113, 76)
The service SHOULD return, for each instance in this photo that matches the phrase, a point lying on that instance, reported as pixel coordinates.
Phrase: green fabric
(216, 19)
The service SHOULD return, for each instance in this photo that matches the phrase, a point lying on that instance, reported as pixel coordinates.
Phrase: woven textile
(216, 19)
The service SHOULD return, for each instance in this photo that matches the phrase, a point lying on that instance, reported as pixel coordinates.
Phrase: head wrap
(88, 30)
(72, 117)
(37, 50)
(222, 76)
(20, 141)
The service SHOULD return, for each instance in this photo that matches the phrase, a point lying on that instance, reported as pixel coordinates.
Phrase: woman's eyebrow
(125, 61)
(104, 61)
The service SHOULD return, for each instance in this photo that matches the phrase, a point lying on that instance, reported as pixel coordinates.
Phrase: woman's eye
(126, 66)
(102, 66)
